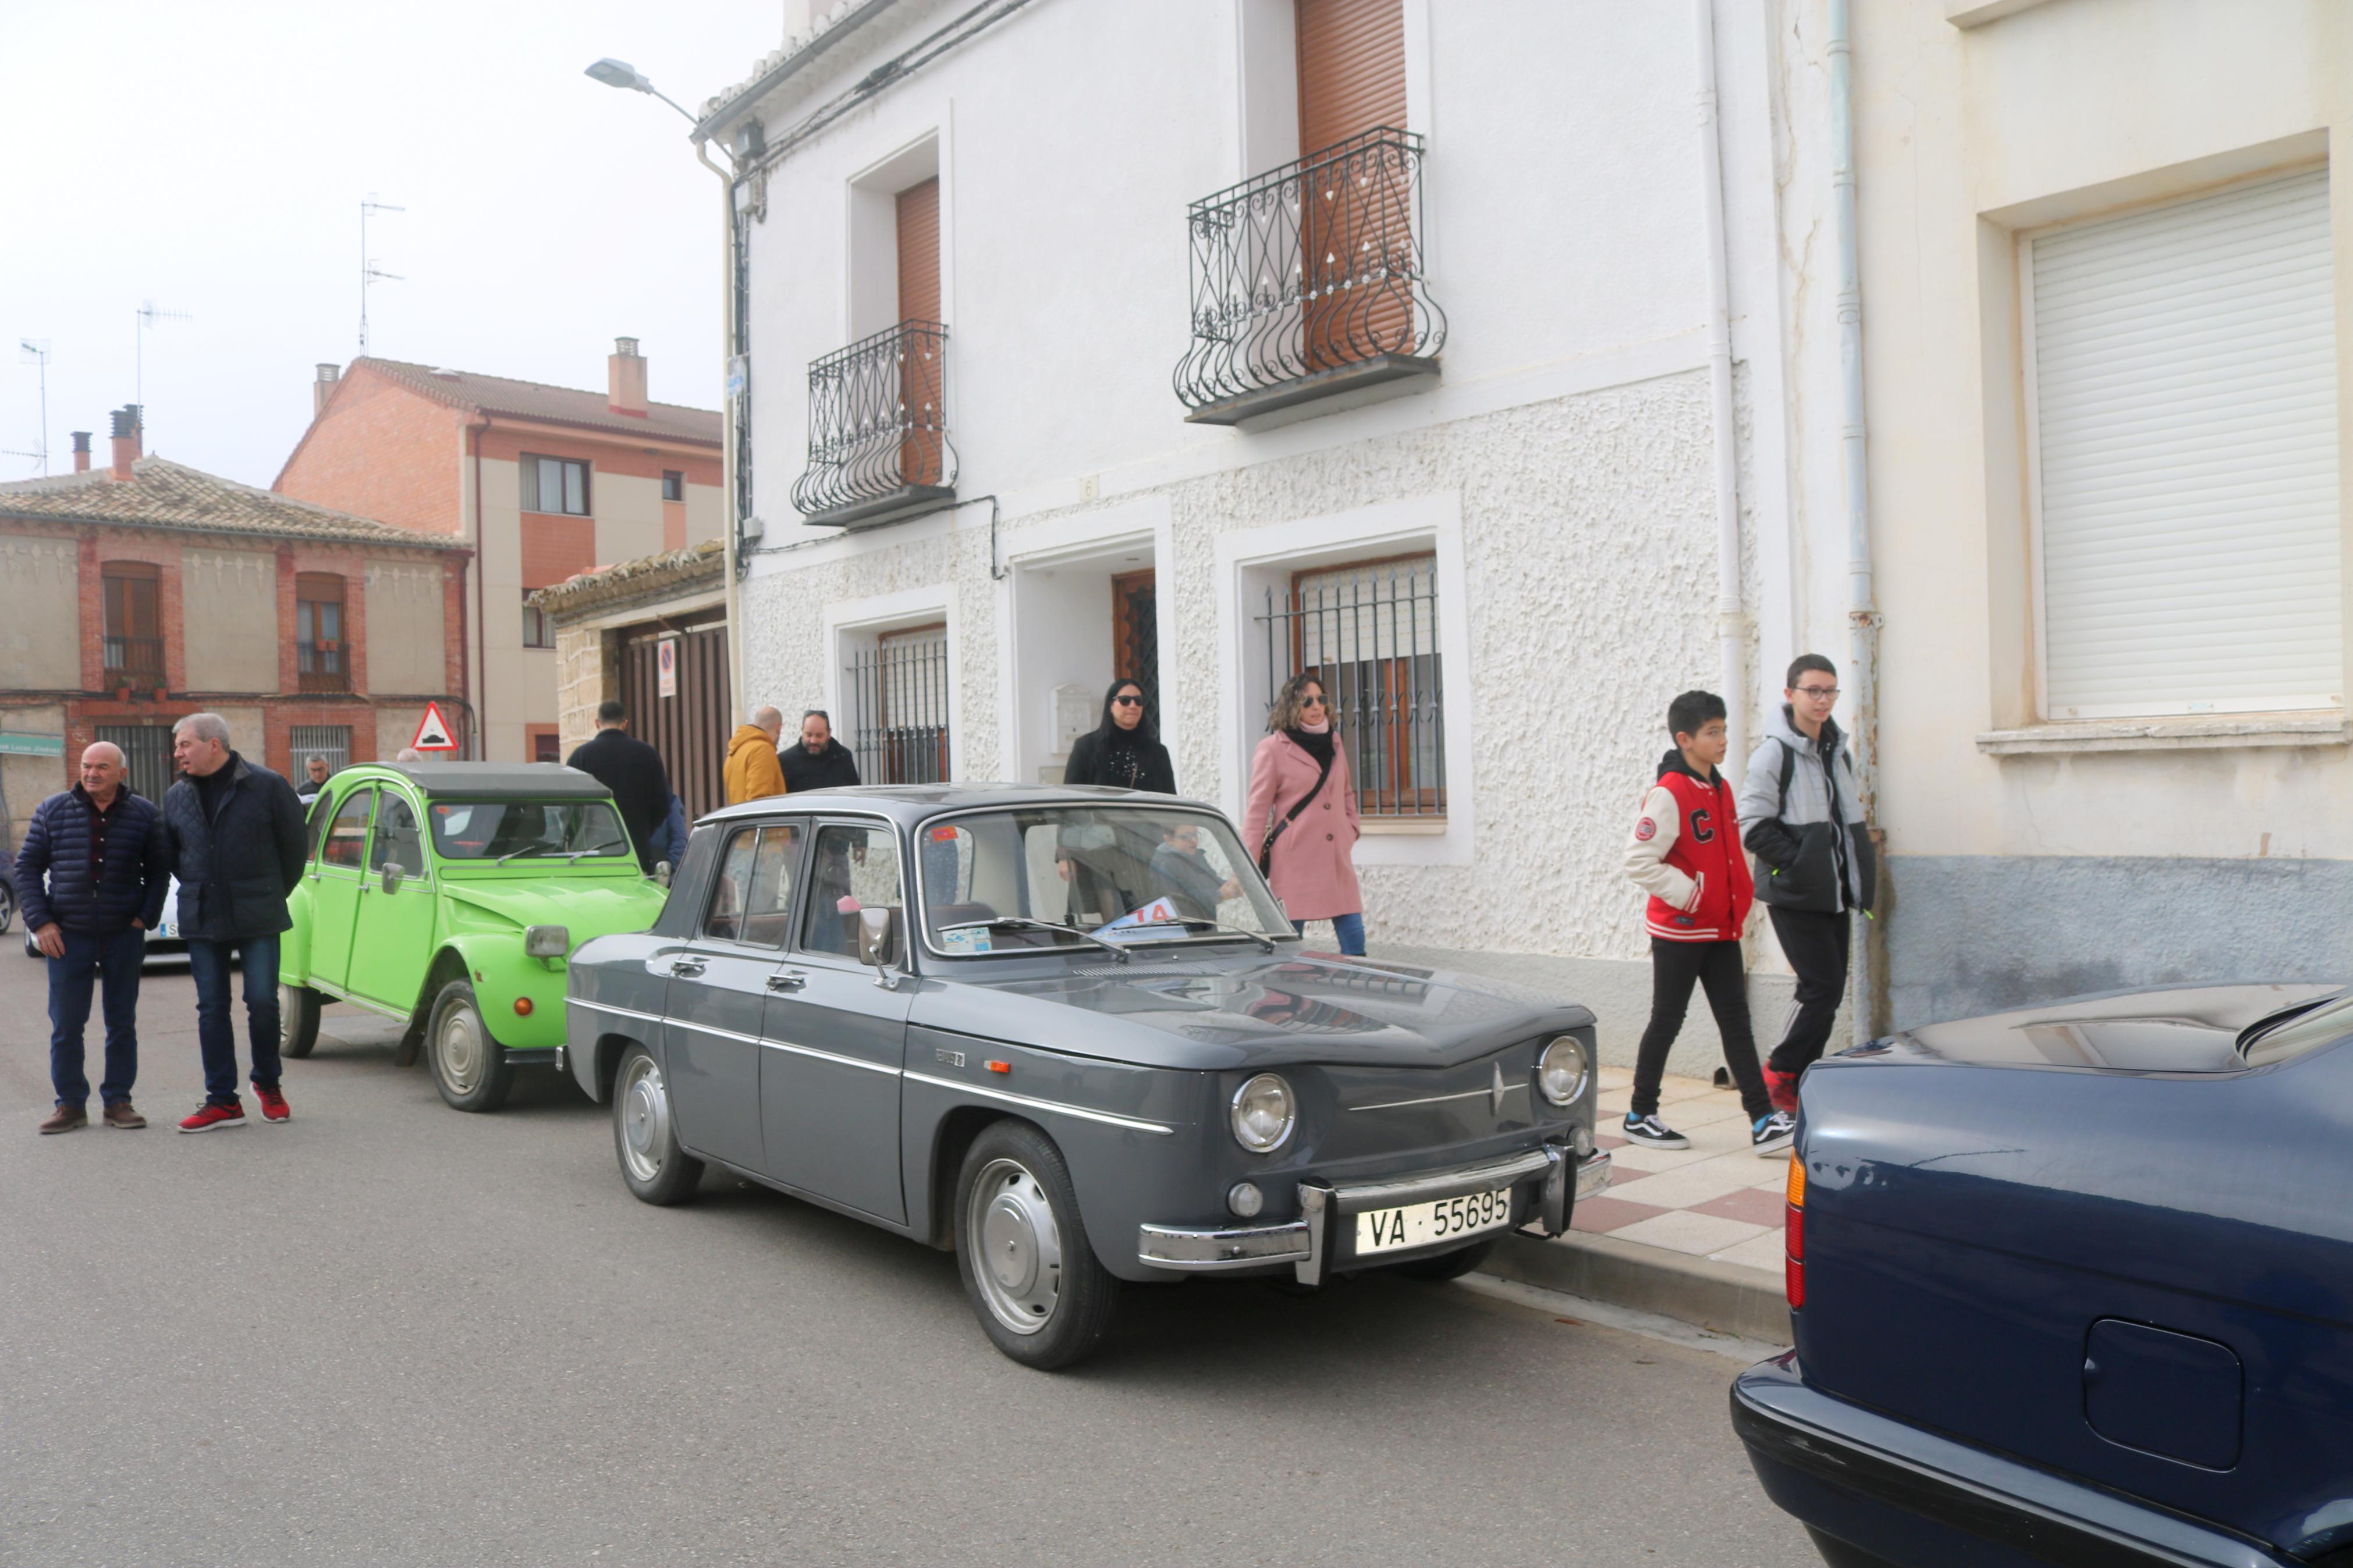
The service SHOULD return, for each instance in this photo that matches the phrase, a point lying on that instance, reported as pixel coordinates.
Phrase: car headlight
(1560, 1071)
(546, 941)
(1264, 1114)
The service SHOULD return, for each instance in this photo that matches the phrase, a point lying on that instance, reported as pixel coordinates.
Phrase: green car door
(393, 935)
(336, 877)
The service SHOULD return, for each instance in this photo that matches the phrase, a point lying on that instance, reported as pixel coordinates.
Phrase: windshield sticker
(1158, 920)
(974, 939)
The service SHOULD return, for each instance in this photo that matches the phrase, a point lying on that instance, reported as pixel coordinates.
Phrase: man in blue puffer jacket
(92, 872)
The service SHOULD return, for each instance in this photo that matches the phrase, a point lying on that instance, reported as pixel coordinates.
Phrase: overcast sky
(211, 158)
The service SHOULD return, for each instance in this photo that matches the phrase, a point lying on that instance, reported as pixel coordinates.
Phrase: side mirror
(661, 872)
(875, 929)
(392, 874)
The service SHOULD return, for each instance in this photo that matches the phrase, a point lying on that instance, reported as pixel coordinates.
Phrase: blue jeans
(113, 962)
(209, 963)
(1348, 930)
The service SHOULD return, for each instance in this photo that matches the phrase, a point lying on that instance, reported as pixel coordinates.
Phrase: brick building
(544, 481)
(135, 595)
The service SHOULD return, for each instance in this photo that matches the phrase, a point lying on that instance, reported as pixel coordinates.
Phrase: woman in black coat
(1123, 751)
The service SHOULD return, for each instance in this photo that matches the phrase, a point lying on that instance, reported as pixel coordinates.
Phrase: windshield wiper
(526, 849)
(1026, 923)
(1265, 943)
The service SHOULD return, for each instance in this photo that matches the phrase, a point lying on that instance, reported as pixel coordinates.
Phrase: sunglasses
(1312, 702)
(1128, 702)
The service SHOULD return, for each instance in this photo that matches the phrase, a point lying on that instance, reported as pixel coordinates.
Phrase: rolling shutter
(919, 252)
(922, 375)
(1351, 69)
(2184, 366)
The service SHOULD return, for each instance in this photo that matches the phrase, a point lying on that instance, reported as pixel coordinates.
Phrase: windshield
(1128, 875)
(498, 829)
(2293, 1031)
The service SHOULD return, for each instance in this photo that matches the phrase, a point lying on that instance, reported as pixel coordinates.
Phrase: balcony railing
(1308, 282)
(320, 666)
(878, 427)
(134, 661)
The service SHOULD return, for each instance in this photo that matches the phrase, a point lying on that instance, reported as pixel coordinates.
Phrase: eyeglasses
(1827, 693)
(1128, 702)
(1312, 702)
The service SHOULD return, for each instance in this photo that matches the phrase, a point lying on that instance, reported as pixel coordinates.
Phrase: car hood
(1211, 1013)
(588, 906)
(2176, 1029)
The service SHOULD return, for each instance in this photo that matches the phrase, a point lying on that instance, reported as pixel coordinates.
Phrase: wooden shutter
(919, 252)
(1351, 80)
(2185, 424)
(921, 380)
(1351, 69)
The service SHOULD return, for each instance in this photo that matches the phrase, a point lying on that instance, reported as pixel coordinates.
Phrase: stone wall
(587, 671)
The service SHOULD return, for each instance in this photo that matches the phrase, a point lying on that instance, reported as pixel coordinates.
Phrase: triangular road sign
(433, 731)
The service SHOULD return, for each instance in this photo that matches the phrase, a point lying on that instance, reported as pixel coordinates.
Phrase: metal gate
(147, 748)
(332, 741)
(690, 727)
(898, 700)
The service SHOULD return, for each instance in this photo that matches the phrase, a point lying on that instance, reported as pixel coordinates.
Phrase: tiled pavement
(1716, 1199)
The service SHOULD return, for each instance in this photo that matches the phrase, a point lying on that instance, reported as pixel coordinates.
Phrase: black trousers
(1816, 945)
(1715, 966)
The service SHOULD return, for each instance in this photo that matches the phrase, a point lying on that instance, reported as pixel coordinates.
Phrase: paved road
(387, 1333)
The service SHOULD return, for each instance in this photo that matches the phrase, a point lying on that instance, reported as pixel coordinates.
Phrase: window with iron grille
(135, 631)
(538, 631)
(332, 741)
(321, 658)
(146, 752)
(896, 694)
(1368, 633)
(554, 484)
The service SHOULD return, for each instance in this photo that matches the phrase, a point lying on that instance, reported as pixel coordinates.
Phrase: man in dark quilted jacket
(92, 872)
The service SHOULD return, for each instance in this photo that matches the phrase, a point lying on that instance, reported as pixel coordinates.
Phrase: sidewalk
(1694, 1233)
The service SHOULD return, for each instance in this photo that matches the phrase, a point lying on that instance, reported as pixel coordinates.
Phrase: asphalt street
(388, 1332)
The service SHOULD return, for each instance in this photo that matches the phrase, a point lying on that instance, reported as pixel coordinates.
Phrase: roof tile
(164, 494)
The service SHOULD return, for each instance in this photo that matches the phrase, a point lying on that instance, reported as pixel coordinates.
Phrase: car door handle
(687, 968)
(787, 981)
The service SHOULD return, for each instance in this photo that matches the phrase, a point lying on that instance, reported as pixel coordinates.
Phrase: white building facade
(1030, 403)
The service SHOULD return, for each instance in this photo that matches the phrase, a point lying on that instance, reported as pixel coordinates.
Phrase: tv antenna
(36, 351)
(149, 313)
(369, 272)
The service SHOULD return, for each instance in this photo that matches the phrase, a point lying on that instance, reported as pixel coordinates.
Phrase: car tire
(1042, 1295)
(469, 1067)
(644, 1133)
(1452, 1265)
(297, 1020)
(7, 908)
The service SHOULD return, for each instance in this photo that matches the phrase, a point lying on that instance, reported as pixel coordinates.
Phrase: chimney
(81, 451)
(625, 375)
(323, 389)
(126, 440)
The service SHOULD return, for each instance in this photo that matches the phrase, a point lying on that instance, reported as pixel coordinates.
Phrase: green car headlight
(546, 941)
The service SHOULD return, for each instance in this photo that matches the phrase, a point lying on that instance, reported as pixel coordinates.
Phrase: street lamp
(621, 73)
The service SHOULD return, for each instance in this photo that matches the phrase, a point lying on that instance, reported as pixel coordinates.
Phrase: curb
(1724, 1297)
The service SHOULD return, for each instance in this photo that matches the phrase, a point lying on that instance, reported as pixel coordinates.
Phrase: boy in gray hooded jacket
(1802, 818)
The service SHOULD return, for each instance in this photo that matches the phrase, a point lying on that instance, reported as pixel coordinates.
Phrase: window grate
(1369, 635)
(898, 702)
(147, 753)
(332, 741)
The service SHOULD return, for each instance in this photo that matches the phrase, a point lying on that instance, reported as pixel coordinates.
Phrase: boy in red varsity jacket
(1685, 854)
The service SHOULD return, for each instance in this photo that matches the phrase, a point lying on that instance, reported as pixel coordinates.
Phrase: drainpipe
(727, 437)
(1729, 617)
(1862, 614)
(481, 622)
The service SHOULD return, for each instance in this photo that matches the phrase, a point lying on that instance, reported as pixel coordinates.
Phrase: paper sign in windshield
(1158, 920)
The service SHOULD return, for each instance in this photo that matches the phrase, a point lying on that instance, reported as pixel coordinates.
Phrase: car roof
(908, 803)
(489, 781)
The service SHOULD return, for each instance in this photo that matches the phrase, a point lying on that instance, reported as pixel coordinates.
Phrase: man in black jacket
(235, 831)
(818, 761)
(101, 849)
(633, 771)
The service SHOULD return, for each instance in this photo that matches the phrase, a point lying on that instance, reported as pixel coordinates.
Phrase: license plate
(1420, 1225)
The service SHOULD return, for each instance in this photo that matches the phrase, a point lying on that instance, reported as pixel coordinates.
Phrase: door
(1135, 635)
(393, 935)
(690, 727)
(837, 1040)
(336, 877)
(719, 985)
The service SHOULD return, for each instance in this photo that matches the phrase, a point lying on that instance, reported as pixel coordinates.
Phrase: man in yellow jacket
(752, 773)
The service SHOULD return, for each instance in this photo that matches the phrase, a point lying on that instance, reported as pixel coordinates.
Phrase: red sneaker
(1781, 1088)
(273, 1104)
(209, 1116)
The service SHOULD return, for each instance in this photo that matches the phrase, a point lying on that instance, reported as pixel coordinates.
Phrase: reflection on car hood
(1211, 1012)
(586, 906)
(2182, 1029)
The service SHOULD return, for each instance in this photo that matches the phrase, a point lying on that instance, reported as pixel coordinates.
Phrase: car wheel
(469, 1068)
(1452, 1265)
(1035, 1284)
(7, 908)
(297, 1020)
(644, 1135)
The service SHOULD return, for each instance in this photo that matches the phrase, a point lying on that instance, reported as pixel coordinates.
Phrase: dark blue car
(2073, 1284)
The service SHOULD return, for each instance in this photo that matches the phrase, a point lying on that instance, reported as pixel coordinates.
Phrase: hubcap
(643, 1107)
(461, 1049)
(1017, 1247)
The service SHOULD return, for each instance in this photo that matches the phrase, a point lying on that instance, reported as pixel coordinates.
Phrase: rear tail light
(1793, 1269)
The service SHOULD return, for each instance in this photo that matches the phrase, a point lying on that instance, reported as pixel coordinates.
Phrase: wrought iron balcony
(1308, 283)
(878, 427)
(134, 661)
(319, 666)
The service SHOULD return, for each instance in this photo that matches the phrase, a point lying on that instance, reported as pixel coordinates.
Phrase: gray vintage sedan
(1068, 1034)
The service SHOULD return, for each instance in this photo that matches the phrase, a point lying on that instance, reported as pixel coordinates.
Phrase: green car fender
(294, 944)
(503, 976)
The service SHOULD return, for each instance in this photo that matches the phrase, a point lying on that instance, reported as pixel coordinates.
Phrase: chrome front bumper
(1305, 1243)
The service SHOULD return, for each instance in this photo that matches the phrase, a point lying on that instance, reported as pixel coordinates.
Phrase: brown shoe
(119, 1115)
(65, 1119)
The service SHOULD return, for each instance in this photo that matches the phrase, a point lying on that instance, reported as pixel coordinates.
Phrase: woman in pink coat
(1301, 765)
